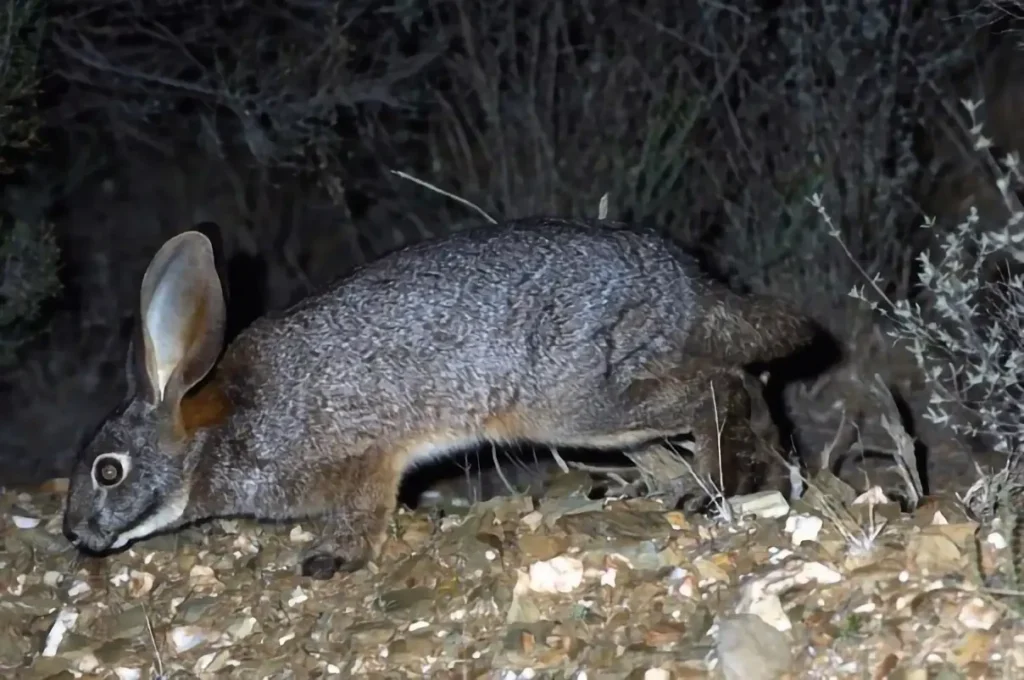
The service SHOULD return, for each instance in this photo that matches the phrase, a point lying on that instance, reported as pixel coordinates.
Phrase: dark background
(124, 122)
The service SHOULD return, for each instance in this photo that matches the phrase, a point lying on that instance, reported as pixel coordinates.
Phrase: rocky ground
(552, 586)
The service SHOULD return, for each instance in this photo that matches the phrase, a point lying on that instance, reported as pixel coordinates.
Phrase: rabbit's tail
(755, 329)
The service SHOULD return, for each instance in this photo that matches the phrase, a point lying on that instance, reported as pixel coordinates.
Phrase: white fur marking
(436, 451)
(167, 515)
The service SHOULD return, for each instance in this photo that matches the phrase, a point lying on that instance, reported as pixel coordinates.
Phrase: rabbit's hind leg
(736, 442)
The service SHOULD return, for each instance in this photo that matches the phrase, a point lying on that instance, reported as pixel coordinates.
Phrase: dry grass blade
(497, 468)
(447, 194)
(906, 455)
(716, 494)
(992, 492)
(841, 442)
(156, 650)
(559, 461)
(860, 539)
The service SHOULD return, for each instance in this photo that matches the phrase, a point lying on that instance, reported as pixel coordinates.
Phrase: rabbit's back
(546, 314)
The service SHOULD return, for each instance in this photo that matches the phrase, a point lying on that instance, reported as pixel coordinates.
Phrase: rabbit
(555, 331)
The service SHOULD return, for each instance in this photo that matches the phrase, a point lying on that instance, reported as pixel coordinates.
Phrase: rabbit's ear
(183, 315)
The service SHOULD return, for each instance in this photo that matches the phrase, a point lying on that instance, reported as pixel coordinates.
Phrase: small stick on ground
(152, 640)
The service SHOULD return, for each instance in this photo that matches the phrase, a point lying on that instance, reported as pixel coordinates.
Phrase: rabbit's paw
(326, 558)
(347, 544)
(323, 565)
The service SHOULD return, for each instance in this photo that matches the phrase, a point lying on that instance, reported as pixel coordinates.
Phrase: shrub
(20, 31)
(709, 121)
(964, 330)
(283, 81)
(28, 251)
(29, 259)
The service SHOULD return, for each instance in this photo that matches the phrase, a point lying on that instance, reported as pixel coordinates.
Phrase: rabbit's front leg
(354, 526)
(348, 540)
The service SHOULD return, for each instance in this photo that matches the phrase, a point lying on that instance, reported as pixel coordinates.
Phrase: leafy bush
(20, 34)
(29, 259)
(706, 120)
(965, 328)
(711, 121)
(281, 80)
(28, 251)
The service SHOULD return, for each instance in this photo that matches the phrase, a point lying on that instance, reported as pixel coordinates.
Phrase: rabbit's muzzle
(86, 534)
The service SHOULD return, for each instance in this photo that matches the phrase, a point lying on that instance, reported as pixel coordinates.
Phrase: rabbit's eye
(109, 472)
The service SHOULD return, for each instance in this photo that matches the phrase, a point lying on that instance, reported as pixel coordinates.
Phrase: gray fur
(561, 332)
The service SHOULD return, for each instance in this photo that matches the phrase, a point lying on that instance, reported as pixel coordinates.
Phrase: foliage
(965, 330)
(29, 260)
(20, 33)
(710, 121)
(29, 255)
(280, 79)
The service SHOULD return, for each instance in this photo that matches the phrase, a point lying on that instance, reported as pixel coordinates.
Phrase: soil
(555, 584)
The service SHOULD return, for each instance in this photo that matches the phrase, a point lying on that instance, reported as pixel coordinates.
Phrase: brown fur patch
(197, 321)
(505, 426)
(195, 338)
(206, 407)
